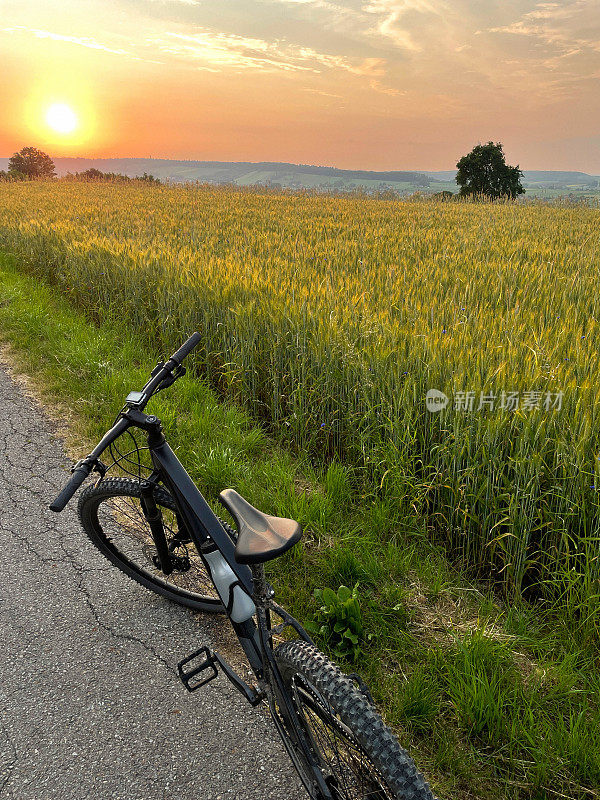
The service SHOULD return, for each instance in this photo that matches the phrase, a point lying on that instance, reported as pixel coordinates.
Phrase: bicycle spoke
(123, 520)
(348, 772)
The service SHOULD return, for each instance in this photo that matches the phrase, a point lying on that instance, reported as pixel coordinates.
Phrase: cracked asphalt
(91, 705)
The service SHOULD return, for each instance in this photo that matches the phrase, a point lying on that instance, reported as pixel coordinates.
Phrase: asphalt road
(91, 706)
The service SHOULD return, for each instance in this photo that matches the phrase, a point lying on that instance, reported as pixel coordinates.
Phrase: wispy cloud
(391, 23)
(368, 20)
(218, 51)
(327, 5)
(566, 28)
(382, 19)
(215, 51)
(82, 41)
(321, 93)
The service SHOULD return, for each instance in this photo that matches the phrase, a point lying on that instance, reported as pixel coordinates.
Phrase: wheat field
(330, 318)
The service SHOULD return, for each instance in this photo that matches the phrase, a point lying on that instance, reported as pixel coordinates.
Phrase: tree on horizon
(31, 163)
(484, 172)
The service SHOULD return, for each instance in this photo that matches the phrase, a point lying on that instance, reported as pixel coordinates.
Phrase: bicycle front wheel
(359, 757)
(111, 515)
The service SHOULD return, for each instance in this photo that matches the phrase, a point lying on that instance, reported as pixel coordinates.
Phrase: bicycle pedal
(196, 669)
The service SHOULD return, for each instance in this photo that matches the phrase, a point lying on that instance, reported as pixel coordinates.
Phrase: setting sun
(61, 118)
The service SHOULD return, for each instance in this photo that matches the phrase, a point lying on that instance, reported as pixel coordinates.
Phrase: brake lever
(170, 379)
(97, 466)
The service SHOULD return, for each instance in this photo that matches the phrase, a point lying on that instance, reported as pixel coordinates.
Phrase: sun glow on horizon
(61, 118)
(64, 122)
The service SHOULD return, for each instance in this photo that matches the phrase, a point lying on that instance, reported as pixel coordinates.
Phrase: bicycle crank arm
(189, 670)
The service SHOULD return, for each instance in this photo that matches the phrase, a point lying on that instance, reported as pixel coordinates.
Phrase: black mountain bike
(158, 529)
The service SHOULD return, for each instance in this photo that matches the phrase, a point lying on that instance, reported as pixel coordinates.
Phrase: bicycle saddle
(260, 537)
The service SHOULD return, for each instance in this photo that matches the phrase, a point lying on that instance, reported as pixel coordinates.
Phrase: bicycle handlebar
(79, 475)
(86, 465)
(167, 368)
(186, 348)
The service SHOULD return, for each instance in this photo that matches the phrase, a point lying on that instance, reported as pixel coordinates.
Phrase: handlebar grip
(79, 475)
(186, 348)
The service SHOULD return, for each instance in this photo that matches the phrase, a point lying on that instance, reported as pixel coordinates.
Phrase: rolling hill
(305, 176)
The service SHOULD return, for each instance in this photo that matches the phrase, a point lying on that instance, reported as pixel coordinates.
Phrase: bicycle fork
(153, 516)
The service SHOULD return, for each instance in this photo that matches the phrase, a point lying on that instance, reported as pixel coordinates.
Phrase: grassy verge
(493, 702)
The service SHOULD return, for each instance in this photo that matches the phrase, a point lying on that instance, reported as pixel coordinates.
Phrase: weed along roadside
(496, 698)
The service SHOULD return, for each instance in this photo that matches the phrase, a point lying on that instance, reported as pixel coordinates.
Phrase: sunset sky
(373, 84)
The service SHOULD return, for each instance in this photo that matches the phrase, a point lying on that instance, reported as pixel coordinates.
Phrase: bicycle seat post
(263, 592)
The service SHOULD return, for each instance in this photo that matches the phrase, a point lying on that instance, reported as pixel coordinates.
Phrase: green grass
(493, 702)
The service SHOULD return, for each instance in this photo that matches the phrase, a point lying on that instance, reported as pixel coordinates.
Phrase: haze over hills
(303, 176)
(535, 177)
(243, 173)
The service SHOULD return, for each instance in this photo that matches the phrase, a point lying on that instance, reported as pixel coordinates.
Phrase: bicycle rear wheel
(359, 757)
(112, 517)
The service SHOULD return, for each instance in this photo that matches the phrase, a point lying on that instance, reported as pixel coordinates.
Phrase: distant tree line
(392, 176)
(94, 175)
(33, 164)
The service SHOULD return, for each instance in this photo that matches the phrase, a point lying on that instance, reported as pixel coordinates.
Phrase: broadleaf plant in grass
(340, 619)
